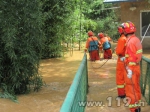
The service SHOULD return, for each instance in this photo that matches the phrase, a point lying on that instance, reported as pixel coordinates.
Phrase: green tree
(104, 15)
(55, 25)
(20, 47)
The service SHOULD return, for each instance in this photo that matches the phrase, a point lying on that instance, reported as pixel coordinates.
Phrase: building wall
(134, 16)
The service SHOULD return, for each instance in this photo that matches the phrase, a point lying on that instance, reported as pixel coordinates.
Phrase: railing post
(141, 77)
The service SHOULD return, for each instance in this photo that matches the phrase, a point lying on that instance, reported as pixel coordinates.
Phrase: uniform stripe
(120, 86)
(132, 63)
(139, 51)
(134, 105)
(126, 55)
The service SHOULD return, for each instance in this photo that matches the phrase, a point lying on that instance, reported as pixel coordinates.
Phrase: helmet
(90, 33)
(101, 35)
(120, 28)
(129, 27)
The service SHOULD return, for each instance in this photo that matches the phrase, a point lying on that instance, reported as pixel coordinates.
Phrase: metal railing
(145, 78)
(78, 90)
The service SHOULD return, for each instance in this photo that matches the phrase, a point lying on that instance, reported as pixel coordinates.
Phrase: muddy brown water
(58, 75)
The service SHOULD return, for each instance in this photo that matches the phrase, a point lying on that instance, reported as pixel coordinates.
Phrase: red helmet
(129, 27)
(120, 28)
(90, 33)
(101, 35)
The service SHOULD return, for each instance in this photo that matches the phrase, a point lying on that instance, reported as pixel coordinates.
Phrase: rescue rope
(103, 63)
(145, 33)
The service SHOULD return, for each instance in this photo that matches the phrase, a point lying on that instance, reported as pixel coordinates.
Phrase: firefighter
(106, 46)
(92, 45)
(133, 55)
(120, 69)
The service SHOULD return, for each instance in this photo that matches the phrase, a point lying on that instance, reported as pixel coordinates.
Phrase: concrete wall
(134, 16)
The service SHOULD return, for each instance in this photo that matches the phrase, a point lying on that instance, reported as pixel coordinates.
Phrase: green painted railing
(78, 90)
(145, 78)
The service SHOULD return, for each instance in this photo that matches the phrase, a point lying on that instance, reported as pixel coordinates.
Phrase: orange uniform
(107, 52)
(133, 56)
(120, 69)
(92, 44)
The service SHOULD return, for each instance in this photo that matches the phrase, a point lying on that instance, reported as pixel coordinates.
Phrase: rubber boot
(122, 96)
(138, 110)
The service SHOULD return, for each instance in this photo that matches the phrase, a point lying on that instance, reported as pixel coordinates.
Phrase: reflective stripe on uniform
(132, 63)
(134, 105)
(139, 51)
(126, 55)
(120, 86)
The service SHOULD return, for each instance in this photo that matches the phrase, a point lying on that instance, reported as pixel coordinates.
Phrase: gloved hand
(122, 58)
(129, 74)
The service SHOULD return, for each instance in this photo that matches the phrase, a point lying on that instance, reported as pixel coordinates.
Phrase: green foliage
(31, 30)
(55, 28)
(70, 20)
(105, 17)
(21, 40)
(89, 25)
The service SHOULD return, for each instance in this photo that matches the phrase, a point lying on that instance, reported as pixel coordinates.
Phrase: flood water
(58, 75)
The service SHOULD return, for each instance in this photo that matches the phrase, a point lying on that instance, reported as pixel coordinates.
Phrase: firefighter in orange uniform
(106, 45)
(92, 45)
(133, 55)
(120, 69)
